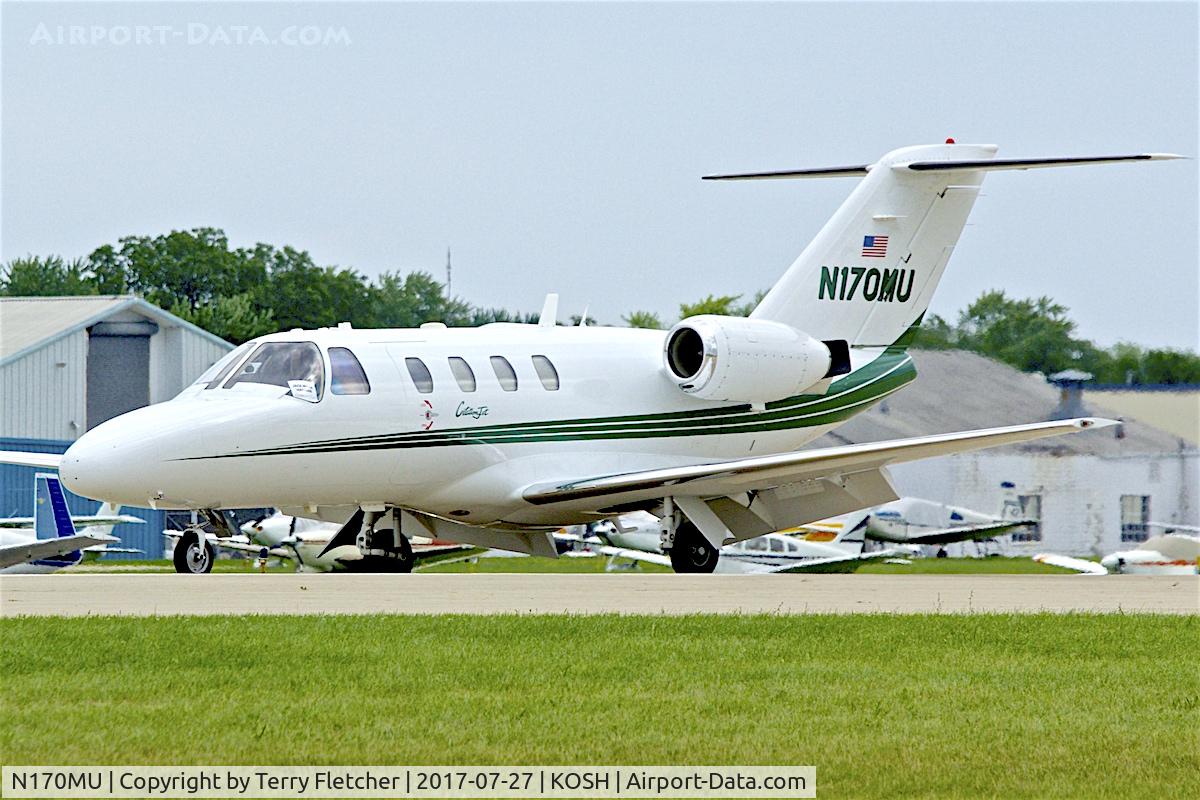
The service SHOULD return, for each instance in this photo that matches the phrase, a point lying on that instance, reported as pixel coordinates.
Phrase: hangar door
(118, 369)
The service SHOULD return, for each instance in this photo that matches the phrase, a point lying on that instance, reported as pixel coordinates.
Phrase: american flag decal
(874, 246)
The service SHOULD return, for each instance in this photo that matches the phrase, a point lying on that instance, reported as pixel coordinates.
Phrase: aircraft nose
(115, 461)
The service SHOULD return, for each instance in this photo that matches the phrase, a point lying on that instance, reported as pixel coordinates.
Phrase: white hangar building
(69, 363)
(1094, 492)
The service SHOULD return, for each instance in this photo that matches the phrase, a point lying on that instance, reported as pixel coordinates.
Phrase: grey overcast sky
(559, 147)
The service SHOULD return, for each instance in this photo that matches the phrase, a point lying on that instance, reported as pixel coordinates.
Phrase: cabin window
(757, 544)
(462, 373)
(546, 373)
(220, 370)
(1031, 509)
(285, 364)
(420, 375)
(1135, 514)
(504, 373)
(776, 545)
(348, 376)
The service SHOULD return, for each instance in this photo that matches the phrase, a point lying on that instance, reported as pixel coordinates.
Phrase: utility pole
(448, 293)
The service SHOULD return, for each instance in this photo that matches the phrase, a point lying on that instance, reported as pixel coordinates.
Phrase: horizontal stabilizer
(996, 164)
(818, 172)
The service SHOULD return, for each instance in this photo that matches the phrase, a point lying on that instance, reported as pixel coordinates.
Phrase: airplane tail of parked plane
(870, 273)
(51, 517)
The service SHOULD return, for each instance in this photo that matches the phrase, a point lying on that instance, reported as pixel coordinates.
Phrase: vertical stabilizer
(51, 518)
(871, 271)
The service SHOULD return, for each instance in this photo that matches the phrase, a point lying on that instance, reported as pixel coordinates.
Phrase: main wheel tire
(691, 552)
(192, 558)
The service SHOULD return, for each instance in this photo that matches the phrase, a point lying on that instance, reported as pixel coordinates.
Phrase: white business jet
(497, 436)
(51, 543)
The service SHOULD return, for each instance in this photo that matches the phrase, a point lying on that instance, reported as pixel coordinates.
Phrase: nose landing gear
(192, 555)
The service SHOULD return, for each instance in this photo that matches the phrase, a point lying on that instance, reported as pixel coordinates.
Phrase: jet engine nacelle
(742, 360)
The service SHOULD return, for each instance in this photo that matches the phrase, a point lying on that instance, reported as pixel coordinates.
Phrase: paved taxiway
(143, 595)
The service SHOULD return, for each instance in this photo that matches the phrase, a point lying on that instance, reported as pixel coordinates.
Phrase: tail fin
(853, 535)
(870, 273)
(50, 515)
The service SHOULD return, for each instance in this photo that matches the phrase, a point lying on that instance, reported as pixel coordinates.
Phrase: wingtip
(1167, 157)
(1094, 422)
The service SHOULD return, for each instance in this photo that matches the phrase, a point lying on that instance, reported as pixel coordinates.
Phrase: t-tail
(870, 273)
(52, 518)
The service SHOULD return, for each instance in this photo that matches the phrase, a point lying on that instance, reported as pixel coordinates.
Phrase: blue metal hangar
(68, 364)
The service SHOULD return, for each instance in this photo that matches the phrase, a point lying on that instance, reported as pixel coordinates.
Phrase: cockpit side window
(280, 364)
(347, 376)
(220, 370)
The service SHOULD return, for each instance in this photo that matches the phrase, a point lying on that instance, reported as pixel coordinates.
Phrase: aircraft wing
(80, 522)
(38, 549)
(846, 563)
(964, 533)
(634, 555)
(1066, 562)
(22, 459)
(794, 488)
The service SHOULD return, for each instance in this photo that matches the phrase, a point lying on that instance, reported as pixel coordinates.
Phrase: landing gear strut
(691, 552)
(192, 555)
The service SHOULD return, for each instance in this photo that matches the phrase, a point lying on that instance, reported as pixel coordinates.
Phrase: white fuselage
(462, 455)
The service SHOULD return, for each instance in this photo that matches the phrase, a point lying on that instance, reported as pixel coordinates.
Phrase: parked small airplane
(306, 543)
(637, 537)
(478, 435)
(50, 542)
(1166, 554)
(914, 521)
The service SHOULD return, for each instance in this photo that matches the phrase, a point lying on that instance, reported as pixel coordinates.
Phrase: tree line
(241, 293)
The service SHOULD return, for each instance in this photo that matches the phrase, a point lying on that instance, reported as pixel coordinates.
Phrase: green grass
(885, 706)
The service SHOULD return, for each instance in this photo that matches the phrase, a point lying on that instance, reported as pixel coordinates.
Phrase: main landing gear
(193, 554)
(691, 552)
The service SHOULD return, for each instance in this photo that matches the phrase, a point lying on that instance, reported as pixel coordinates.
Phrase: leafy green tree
(190, 267)
(1033, 335)
(936, 334)
(643, 319)
(408, 301)
(236, 319)
(35, 276)
(725, 305)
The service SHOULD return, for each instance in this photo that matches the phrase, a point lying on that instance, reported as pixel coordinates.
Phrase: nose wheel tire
(193, 557)
(385, 554)
(691, 552)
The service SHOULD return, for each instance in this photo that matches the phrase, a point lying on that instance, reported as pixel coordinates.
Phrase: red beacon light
(950, 140)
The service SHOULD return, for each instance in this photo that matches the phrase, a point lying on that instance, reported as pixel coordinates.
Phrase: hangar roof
(956, 390)
(27, 323)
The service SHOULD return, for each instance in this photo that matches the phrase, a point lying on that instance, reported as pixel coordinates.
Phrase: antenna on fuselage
(549, 315)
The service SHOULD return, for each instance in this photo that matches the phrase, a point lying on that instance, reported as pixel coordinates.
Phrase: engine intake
(742, 360)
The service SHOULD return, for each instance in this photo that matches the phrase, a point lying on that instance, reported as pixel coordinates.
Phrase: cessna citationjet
(498, 435)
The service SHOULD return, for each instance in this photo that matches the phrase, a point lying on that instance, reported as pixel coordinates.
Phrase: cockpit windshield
(296, 366)
(217, 372)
